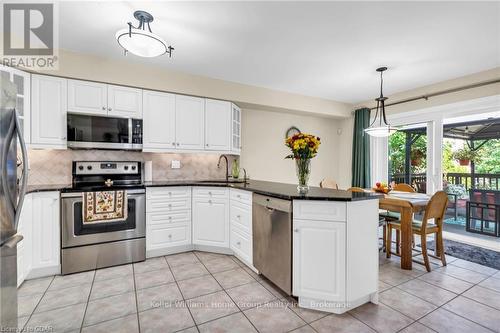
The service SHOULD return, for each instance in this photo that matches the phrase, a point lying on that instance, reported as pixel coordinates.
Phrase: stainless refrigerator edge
(12, 193)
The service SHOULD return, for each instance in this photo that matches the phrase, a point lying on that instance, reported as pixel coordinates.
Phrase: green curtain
(361, 149)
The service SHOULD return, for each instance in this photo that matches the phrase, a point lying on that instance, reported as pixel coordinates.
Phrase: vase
(303, 168)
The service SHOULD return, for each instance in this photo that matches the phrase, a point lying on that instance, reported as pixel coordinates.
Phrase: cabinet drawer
(241, 215)
(167, 192)
(319, 210)
(210, 192)
(159, 236)
(241, 244)
(162, 205)
(244, 197)
(165, 218)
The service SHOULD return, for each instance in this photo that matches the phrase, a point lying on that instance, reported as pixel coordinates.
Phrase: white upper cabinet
(124, 102)
(22, 82)
(189, 122)
(217, 125)
(49, 104)
(235, 129)
(104, 99)
(158, 121)
(87, 97)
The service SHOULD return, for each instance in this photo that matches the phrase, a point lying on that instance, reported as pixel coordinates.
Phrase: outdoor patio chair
(482, 211)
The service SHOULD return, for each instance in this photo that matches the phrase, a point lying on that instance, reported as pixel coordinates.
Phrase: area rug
(472, 253)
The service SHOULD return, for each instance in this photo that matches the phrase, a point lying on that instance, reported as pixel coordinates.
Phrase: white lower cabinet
(168, 220)
(46, 234)
(24, 247)
(39, 224)
(335, 254)
(211, 217)
(240, 211)
(319, 257)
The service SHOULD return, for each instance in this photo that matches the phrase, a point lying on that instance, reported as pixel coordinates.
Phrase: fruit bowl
(381, 188)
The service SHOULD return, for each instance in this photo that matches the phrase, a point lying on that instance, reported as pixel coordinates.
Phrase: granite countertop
(273, 189)
(46, 187)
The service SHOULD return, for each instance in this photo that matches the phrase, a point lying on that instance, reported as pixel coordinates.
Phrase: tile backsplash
(54, 166)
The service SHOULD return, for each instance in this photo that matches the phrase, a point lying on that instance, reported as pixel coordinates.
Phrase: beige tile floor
(206, 292)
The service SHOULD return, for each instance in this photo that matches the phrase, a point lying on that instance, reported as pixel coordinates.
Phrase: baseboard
(215, 249)
(168, 251)
(43, 272)
(336, 307)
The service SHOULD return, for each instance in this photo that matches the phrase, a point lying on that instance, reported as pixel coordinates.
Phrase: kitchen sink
(223, 181)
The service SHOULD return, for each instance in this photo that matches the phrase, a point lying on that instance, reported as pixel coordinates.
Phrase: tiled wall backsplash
(54, 166)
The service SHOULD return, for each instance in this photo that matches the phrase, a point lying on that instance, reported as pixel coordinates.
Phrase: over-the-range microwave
(97, 132)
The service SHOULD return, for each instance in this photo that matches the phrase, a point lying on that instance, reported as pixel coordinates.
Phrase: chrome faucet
(227, 165)
(244, 174)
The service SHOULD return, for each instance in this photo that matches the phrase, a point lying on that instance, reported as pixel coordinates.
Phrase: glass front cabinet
(236, 130)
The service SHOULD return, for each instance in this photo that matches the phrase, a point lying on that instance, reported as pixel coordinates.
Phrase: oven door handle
(130, 194)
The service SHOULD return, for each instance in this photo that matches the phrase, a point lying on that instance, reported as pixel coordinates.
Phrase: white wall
(263, 146)
(90, 67)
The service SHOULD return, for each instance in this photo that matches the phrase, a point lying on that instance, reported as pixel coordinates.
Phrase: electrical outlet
(176, 164)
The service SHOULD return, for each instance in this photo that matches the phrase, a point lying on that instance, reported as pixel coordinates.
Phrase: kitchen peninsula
(333, 241)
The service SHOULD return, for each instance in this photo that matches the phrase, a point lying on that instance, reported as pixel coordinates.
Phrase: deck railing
(489, 181)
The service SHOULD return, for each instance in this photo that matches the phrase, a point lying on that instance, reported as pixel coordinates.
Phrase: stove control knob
(80, 167)
(133, 167)
(126, 167)
(89, 167)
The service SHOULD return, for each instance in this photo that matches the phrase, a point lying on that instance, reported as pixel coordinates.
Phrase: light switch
(176, 164)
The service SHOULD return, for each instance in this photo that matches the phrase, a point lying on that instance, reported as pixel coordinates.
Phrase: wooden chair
(404, 188)
(329, 183)
(394, 216)
(434, 211)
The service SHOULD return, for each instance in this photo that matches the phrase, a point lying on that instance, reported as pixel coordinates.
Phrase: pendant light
(380, 128)
(142, 42)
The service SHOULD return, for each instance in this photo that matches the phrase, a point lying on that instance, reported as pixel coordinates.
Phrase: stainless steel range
(87, 246)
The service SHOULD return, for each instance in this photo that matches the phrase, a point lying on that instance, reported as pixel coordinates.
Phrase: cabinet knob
(170, 217)
(238, 216)
(209, 193)
(170, 236)
(169, 205)
(296, 230)
(238, 243)
(104, 108)
(238, 196)
(209, 201)
(173, 143)
(109, 109)
(207, 144)
(177, 143)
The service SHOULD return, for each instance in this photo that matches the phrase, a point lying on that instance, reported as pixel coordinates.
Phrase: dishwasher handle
(272, 204)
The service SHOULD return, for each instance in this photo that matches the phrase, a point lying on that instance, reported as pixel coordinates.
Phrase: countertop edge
(252, 186)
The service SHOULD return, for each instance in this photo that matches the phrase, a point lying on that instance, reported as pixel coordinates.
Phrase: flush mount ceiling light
(380, 128)
(142, 42)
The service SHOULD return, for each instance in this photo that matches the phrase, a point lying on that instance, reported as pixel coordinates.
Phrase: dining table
(407, 204)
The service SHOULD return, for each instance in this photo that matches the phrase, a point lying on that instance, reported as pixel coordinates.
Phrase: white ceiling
(324, 49)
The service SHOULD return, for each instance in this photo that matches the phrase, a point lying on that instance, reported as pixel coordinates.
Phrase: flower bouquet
(304, 147)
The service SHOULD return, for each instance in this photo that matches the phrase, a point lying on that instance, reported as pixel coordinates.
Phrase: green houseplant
(465, 155)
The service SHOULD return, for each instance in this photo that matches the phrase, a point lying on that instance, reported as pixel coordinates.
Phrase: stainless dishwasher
(272, 240)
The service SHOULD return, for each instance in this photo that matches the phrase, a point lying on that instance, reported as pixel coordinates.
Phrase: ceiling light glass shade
(141, 42)
(380, 131)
